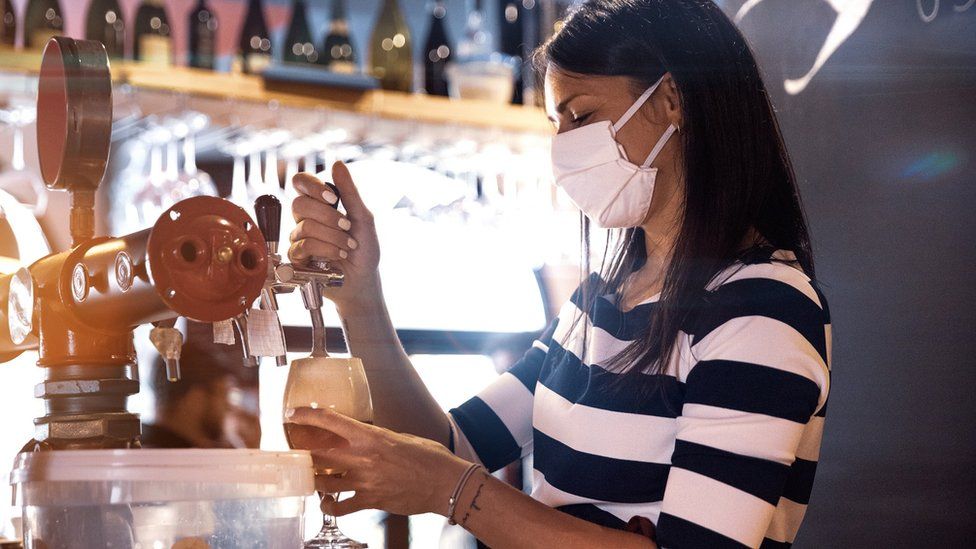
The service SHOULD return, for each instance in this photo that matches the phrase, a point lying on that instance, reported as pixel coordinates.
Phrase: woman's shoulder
(758, 290)
(766, 275)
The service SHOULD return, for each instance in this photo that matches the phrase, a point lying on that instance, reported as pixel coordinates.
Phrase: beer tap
(310, 279)
(240, 325)
(169, 344)
(267, 211)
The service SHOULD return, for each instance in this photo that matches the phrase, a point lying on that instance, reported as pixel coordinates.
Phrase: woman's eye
(581, 118)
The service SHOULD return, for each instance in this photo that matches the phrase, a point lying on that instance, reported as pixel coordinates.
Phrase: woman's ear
(664, 106)
(672, 101)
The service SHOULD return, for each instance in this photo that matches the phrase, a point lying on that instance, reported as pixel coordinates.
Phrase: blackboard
(884, 140)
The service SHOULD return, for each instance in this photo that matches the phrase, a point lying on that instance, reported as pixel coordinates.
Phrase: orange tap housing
(203, 259)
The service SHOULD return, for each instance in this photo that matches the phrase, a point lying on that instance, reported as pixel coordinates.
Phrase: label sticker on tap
(223, 332)
(264, 333)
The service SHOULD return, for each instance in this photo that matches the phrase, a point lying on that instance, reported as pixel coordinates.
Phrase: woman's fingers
(332, 484)
(309, 185)
(344, 507)
(345, 427)
(306, 207)
(309, 247)
(310, 228)
(332, 458)
(322, 232)
(314, 188)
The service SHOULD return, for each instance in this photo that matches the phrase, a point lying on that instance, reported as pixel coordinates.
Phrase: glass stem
(190, 155)
(329, 521)
(238, 192)
(17, 159)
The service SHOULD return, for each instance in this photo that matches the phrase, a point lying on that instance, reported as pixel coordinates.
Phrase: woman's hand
(400, 474)
(348, 241)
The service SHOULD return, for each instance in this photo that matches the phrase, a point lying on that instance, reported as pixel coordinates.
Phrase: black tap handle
(267, 209)
(335, 191)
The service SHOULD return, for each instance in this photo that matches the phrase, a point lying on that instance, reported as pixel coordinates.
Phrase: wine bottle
(391, 57)
(153, 44)
(255, 40)
(8, 28)
(439, 52)
(510, 23)
(337, 51)
(104, 23)
(203, 36)
(44, 20)
(476, 44)
(299, 47)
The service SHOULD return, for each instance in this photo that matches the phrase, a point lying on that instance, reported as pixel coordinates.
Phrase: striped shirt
(720, 452)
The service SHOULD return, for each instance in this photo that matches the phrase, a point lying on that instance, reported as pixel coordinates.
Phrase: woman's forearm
(503, 517)
(401, 401)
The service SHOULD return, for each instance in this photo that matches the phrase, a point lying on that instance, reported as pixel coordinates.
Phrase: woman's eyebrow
(562, 104)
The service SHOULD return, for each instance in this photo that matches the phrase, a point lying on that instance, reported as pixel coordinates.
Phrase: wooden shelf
(381, 103)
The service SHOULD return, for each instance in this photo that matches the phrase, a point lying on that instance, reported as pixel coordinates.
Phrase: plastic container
(161, 499)
(487, 80)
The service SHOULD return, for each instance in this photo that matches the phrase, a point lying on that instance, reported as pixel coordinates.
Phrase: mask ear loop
(637, 105)
(660, 145)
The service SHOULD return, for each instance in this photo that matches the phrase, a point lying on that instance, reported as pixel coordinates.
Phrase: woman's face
(574, 100)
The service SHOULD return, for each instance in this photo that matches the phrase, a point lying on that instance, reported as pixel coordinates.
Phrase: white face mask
(593, 169)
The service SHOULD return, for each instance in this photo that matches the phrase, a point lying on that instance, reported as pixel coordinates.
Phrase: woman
(679, 397)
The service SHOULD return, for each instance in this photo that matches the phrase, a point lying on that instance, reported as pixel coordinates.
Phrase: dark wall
(884, 142)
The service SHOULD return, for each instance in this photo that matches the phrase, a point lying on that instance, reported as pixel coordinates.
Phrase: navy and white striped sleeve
(762, 373)
(496, 425)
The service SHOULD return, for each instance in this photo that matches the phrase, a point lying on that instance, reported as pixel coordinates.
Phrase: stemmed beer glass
(320, 382)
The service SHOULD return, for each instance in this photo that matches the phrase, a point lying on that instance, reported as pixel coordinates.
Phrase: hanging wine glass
(18, 115)
(194, 181)
(238, 148)
(155, 195)
(273, 140)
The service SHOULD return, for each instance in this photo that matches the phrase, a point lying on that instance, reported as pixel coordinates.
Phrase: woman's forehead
(562, 85)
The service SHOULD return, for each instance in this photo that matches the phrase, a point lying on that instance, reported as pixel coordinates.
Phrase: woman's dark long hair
(737, 173)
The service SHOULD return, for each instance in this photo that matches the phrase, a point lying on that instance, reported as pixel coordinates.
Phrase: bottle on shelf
(337, 52)
(531, 39)
(43, 21)
(153, 44)
(512, 37)
(391, 56)
(255, 54)
(476, 44)
(438, 52)
(299, 47)
(203, 36)
(8, 26)
(104, 23)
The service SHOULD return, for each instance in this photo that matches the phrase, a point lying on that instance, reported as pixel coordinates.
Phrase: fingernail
(330, 197)
(344, 223)
(343, 254)
(289, 412)
(353, 244)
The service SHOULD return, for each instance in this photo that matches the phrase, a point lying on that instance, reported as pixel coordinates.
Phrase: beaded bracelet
(452, 503)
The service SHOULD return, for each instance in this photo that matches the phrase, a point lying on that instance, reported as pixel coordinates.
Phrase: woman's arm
(748, 440)
(502, 517)
(401, 401)
(409, 475)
